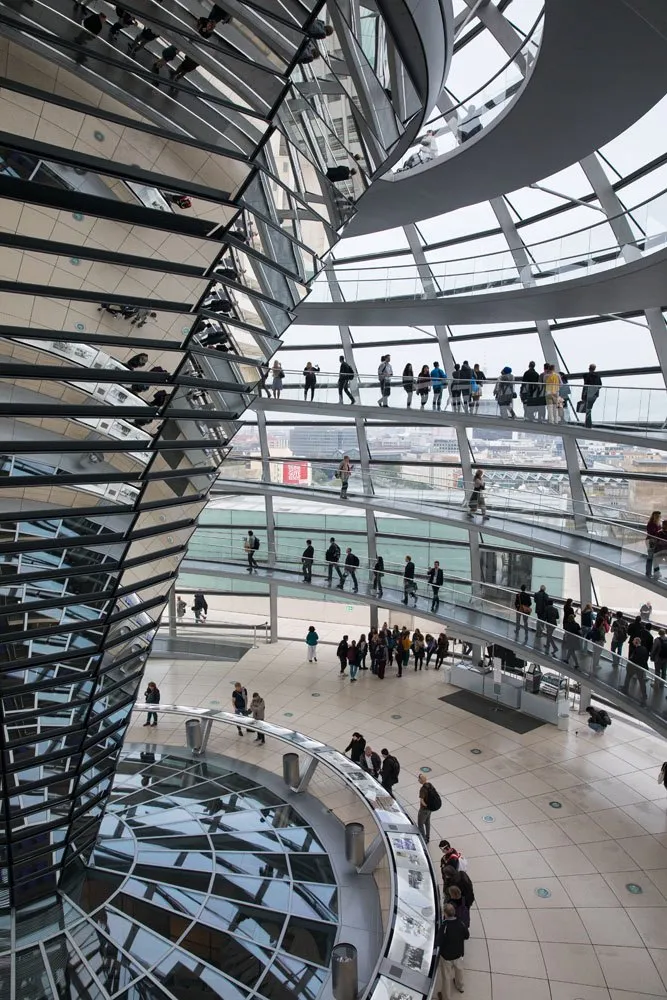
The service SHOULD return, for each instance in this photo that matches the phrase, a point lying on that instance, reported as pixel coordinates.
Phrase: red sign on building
(295, 473)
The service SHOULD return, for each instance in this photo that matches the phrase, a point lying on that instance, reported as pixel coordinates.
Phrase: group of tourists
(382, 648)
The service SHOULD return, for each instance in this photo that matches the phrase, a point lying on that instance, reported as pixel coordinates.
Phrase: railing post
(291, 769)
(355, 835)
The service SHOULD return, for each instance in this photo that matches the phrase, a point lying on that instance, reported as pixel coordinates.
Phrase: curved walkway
(481, 622)
(621, 561)
(601, 66)
(636, 286)
(611, 433)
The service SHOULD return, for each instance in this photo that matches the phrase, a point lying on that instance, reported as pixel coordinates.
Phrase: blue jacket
(438, 378)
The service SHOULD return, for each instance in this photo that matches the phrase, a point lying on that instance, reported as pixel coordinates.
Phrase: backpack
(395, 767)
(622, 634)
(433, 800)
(255, 543)
(334, 550)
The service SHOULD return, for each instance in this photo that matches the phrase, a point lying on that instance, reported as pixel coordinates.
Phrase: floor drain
(425, 770)
(315, 694)
(634, 888)
(288, 715)
(556, 805)
(489, 819)
(397, 716)
(543, 893)
(475, 750)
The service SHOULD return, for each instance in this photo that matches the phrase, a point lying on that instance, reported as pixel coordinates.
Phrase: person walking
(552, 388)
(442, 650)
(145, 36)
(390, 771)
(653, 529)
(429, 802)
(332, 556)
(418, 650)
(477, 388)
(436, 579)
(381, 657)
(455, 389)
(351, 565)
(167, 55)
(504, 393)
(91, 27)
(181, 608)
(312, 639)
(310, 373)
(356, 748)
(529, 391)
(571, 640)
(465, 379)
(551, 617)
(637, 667)
(589, 393)
(362, 652)
(341, 653)
(240, 702)
(659, 655)
(477, 501)
(307, 559)
(431, 647)
(200, 606)
(372, 762)
(619, 635)
(408, 381)
(251, 545)
(187, 66)
(125, 20)
(450, 941)
(345, 376)
(344, 472)
(353, 660)
(385, 372)
(541, 599)
(152, 697)
(409, 581)
(522, 605)
(438, 383)
(378, 573)
(423, 385)
(258, 710)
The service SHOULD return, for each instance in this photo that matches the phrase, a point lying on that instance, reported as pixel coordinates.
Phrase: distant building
(323, 442)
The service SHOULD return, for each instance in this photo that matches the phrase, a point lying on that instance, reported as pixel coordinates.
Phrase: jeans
(342, 388)
(353, 670)
(550, 638)
(352, 573)
(616, 647)
(333, 566)
(595, 726)
(251, 561)
(436, 597)
(424, 823)
(437, 397)
(377, 582)
(521, 619)
(238, 711)
(151, 719)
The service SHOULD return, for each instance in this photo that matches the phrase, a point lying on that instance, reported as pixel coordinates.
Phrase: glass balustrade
(638, 410)
(611, 539)
(575, 255)
(488, 621)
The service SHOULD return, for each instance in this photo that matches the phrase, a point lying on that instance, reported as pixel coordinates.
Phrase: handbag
(581, 406)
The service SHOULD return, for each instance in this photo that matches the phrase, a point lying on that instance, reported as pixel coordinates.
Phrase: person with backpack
(351, 566)
(332, 556)
(450, 857)
(240, 702)
(312, 639)
(429, 802)
(345, 376)
(619, 635)
(522, 604)
(341, 653)
(250, 545)
(450, 942)
(659, 654)
(389, 772)
(200, 606)
(307, 560)
(598, 719)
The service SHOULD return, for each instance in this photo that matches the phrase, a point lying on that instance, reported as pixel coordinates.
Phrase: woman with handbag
(504, 392)
(652, 533)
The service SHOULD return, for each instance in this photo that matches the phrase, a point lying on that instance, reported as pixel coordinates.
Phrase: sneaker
(146, 724)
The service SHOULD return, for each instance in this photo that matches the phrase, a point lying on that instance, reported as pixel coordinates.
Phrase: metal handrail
(387, 815)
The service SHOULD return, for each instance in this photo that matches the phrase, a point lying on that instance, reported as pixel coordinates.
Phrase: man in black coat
(351, 564)
(389, 772)
(408, 581)
(541, 599)
(637, 666)
(436, 579)
(307, 559)
(345, 376)
(451, 944)
(332, 555)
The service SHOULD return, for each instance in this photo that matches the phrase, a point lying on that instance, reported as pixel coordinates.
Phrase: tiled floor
(556, 825)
